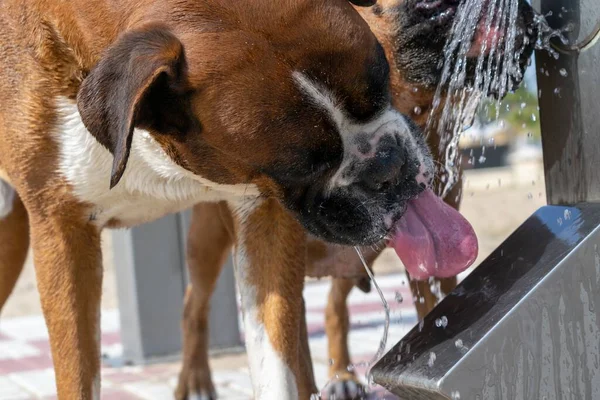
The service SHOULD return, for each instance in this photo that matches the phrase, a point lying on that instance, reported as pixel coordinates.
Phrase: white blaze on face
(7, 198)
(354, 135)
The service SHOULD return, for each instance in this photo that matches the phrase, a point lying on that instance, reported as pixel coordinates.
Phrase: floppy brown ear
(363, 3)
(139, 82)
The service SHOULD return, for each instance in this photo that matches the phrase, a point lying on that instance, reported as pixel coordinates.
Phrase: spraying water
(482, 58)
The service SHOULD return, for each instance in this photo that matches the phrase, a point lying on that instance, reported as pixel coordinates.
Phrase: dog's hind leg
(209, 240)
(343, 382)
(14, 239)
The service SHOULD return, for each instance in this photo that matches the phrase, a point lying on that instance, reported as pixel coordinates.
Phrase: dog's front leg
(68, 265)
(270, 264)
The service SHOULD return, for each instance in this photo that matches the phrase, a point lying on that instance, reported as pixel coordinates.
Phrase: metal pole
(151, 281)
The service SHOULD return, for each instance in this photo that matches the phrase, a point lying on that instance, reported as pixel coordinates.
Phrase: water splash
(399, 298)
(461, 346)
(432, 358)
(441, 322)
(467, 79)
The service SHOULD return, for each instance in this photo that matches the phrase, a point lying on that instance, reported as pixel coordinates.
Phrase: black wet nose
(386, 167)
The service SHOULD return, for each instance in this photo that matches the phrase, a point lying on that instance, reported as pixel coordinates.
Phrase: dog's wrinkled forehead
(364, 140)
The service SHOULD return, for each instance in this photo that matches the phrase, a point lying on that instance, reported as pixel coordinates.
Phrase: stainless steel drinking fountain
(526, 323)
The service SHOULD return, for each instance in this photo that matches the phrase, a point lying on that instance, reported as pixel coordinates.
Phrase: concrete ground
(495, 201)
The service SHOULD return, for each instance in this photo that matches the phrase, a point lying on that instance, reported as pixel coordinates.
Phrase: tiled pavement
(26, 367)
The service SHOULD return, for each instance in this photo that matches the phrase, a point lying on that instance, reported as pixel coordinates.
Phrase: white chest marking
(151, 187)
(272, 378)
(7, 198)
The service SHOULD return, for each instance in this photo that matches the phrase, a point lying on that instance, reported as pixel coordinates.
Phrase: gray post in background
(151, 281)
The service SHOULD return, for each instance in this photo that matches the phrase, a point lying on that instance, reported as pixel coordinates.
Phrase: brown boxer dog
(116, 113)
(412, 34)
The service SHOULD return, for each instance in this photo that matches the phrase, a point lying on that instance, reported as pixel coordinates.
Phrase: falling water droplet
(533, 117)
(529, 195)
(432, 358)
(563, 72)
(399, 298)
(597, 260)
(567, 214)
(461, 346)
(556, 91)
(441, 322)
(417, 110)
(455, 395)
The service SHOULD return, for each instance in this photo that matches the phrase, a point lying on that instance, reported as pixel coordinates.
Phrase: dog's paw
(195, 385)
(345, 389)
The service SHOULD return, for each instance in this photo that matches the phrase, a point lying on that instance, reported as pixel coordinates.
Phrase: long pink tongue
(433, 239)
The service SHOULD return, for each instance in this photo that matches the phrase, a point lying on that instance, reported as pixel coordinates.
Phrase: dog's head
(291, 96)
(422, 28)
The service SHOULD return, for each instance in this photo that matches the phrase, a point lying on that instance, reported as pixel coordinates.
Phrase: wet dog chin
(346, 226)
